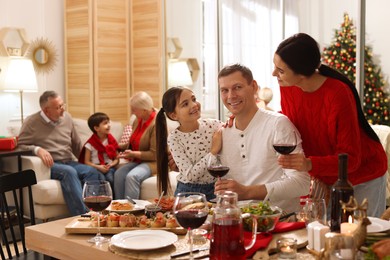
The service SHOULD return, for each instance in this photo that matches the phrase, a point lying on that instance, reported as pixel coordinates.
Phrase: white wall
(39, 18)
(187, 26)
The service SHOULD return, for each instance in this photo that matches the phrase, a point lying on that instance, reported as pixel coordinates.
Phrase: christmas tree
(341, 55)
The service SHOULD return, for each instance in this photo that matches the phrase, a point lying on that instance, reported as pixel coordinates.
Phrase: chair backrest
(12, 218)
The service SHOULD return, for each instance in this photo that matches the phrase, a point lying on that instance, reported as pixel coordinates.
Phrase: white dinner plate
(139, 205)
(143, 239)
(377, 225)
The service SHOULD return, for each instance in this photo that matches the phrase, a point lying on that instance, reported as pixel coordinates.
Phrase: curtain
(250, 31)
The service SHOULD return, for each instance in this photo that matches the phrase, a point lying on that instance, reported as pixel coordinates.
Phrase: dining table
(52, 239)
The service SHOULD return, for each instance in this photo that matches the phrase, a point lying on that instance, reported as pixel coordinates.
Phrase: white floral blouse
(192, 150)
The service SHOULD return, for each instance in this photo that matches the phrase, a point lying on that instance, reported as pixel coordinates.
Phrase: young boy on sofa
(100, 150)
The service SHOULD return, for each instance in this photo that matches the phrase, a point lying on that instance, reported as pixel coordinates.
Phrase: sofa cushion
(48, 192)
(127, 131)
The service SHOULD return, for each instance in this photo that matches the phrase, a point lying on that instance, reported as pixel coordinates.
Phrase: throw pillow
(127, 131)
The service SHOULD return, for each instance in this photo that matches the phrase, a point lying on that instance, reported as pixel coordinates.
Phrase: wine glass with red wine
(190, 210)
(97, 196)
(285, 142)
(216, 168)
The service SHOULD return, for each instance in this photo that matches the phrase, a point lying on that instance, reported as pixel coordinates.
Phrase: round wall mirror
(43, 54)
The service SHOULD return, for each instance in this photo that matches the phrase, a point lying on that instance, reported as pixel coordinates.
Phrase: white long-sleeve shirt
(192, 150)
(253, 160)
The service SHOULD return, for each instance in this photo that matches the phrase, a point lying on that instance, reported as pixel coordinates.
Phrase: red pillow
(127, 131)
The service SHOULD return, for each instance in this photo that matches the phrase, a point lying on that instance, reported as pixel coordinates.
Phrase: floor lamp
(20, 77)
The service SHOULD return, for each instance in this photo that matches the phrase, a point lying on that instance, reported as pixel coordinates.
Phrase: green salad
(261, 208)
(266, 216)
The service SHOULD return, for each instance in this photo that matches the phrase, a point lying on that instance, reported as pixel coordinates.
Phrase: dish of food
(377, 225)
(123, 206)
(166, 202)
(266, 215)
(143, 239)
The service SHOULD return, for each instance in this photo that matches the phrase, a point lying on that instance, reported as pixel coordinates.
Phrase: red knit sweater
(328, 123)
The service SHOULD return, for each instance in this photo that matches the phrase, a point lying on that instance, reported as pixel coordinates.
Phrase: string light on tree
(341, 55)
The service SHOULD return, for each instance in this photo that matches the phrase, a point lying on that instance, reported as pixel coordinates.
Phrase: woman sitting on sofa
(140, 151)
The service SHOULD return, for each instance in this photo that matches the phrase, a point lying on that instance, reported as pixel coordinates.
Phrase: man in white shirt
(248, 145)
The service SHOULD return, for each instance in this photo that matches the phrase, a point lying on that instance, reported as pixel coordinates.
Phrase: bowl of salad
(266, 215)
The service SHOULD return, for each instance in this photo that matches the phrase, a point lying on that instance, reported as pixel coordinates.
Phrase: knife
(181, 253)
(286, 216)
(131, 200)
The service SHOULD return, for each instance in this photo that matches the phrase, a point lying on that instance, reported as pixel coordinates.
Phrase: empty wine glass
(285, 142)
(97, 196)
(314, 210)
(190, 210)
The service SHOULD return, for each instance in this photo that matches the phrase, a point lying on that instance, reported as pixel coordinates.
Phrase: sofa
(383, 132)
(48, 198)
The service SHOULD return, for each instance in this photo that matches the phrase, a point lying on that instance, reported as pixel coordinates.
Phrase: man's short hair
(229, 69)
(44, 98)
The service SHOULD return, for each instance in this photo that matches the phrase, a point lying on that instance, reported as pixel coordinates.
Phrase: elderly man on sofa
(51, 135)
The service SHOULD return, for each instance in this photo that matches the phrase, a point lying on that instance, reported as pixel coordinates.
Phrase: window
(247, 32)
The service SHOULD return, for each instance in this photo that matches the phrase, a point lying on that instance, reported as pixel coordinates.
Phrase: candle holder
(287, 248)
(339, 246)
(360, 217)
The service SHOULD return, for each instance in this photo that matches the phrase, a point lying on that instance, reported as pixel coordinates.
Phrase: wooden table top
(51, 239)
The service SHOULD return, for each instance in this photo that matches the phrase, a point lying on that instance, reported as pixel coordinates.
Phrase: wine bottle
(341, 190)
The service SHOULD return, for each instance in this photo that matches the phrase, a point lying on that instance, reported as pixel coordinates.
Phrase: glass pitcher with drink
(227, 234)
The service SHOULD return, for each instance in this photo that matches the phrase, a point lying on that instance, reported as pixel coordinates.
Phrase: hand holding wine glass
(285, 142)
(97, 196)
(190, 210)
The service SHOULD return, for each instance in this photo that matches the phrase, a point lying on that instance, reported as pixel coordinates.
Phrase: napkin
(288, 226)
(263, 239)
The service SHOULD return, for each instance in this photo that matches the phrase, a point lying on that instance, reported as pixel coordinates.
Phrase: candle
(348, 228)
(287, 248)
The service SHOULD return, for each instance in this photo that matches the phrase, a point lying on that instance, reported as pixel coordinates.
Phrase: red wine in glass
(284, 148)
(191, 218)
(190, 210)
(284, 142)
(218, 171)
(97, 203)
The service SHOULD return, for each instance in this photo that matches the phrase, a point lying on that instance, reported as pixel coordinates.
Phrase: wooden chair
(12, 218)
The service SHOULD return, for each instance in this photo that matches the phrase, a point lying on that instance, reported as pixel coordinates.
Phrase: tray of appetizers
(113, 223)
(122, 216)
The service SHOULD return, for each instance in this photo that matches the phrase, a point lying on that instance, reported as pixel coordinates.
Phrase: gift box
(8, 143)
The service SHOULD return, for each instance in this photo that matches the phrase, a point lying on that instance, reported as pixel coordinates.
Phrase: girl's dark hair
(302, 55)
(95, 120)
(169, 101)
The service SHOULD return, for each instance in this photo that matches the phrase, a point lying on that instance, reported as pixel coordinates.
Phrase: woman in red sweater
(325, 107)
